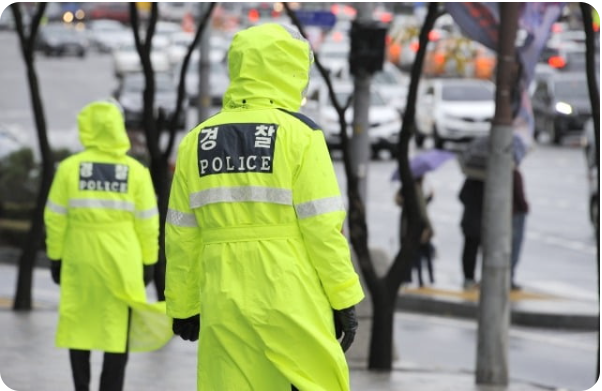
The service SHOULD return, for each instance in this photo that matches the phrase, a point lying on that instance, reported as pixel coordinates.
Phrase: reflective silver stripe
(104, 204)
(241, 194)
(318, 207)
(56, 208)
(145, 214)
(180, 219)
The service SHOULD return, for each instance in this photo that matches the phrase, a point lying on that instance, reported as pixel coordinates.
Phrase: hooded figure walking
(254, 232)
(102, 231)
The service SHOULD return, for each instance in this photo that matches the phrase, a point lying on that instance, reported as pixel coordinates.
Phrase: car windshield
(467, 92)
(136, 84)
(384, 77)
(571, 89)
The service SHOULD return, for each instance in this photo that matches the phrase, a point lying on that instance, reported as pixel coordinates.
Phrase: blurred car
(568, 56)
(454, 110)
(334, 56)
(113, 11)
(127, 60)
(593, 178)
(560, 105)
(55, 39)
(174, 11)
(129, 94)
(7, 21)
(178, 47)
(218, 80)
(385, 120)
(390, 82)
(107, 35)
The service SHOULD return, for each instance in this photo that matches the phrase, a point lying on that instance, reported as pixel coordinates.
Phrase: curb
(466, 309)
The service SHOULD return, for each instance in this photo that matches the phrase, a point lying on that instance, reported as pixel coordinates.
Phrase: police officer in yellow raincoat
(102, 237)
(253, 232)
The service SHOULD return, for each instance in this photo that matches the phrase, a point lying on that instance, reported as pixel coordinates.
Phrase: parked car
(454, 110)
(107, 35)
(127, 60)
(593, 178)
(560, 105)
(218, 79)
(129, 94)
(55, 39)
(113, 11)
(567, 56)
(390, 82)
(385, 120)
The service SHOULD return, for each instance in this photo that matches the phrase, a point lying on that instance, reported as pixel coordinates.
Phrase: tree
(36, 231)
(594, 97)
(154, 122)
(383, 290)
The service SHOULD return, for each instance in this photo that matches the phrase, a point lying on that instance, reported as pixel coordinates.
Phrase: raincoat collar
(268, 67)
(101, 127)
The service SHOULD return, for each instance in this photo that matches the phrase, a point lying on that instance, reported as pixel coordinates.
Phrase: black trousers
(113, 367)
(469, 256)
(113, 370)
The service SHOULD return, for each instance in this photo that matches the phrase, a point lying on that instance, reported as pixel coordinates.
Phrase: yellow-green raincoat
(253, 232)
(102, 222)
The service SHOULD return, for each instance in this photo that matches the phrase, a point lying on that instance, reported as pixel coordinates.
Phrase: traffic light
(367, 53)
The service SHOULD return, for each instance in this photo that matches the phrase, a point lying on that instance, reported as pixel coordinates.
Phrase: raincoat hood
(269, 67)
(101, 127)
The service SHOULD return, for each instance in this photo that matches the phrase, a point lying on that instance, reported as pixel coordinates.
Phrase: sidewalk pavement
(29, 360)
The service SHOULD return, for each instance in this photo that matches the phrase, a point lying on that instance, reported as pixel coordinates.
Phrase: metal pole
(360, 140)
(494, 311)
(204, 96)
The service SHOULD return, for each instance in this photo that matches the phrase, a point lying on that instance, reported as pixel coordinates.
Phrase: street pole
(494, 311)
(360, 140)
(204, 97)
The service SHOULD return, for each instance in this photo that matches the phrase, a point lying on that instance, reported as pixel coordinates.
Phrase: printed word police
(103, 177)
(242, 164)
(236, 148)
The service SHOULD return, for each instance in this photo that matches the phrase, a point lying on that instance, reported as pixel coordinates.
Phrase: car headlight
(564, 108)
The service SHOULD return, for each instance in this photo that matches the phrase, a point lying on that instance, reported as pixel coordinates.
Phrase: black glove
(187, 329)
(149, 273)
(345, 325)
(55, 271)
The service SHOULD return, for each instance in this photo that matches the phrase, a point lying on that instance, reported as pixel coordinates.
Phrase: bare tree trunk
(494, 308)
(385, 296)
(594, 97)
(35, 235)
(383, 291)
(153, 125)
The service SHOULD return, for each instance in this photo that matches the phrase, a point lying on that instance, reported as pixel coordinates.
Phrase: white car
(106, 35)
(385, 120)
(127, 60)
(178, 47)
(218, 79)
(454, 110)
(390, 82)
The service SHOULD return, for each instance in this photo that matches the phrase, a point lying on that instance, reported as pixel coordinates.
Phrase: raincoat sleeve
(182, 246)
(321, 213)
(55, 215)
(146, 220)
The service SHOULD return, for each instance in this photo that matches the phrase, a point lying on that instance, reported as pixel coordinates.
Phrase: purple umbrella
(425, 162)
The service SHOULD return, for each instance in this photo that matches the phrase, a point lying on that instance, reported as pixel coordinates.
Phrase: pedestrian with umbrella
(420, 165)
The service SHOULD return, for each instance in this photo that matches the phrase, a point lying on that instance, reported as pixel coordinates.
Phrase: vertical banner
(481, 22)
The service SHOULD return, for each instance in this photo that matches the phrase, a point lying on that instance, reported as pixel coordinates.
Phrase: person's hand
(187, 329)
(345, 324)
(149, 271)
(55, 271)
